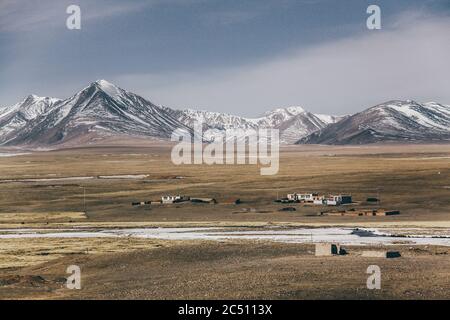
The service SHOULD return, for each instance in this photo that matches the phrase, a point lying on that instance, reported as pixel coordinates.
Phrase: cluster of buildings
(311, 198)
(171, 199)
(306, 198)
(317, 199)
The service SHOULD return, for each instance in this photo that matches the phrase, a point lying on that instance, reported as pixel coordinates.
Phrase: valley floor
(51, 190)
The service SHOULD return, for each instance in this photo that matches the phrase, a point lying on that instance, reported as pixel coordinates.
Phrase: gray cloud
(409, 61)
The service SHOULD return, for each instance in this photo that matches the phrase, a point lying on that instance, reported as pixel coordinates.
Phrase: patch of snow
(47, 179)
(13, 154)
(345, 236)
(125, 176)
(328, 119)
(109, 88)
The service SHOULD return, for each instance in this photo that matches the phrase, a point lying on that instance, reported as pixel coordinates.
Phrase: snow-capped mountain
(278, 116)
(214, 119)
(293, 122)
(104, 110)
(16, 117)
(391, 121)
(97, 111)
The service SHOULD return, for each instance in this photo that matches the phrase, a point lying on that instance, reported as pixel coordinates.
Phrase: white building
(173, 199)
(337, 200)
(306, 197)
(315, 198)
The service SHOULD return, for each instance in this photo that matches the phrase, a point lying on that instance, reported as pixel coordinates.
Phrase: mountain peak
(395, 120)
(293, 110)
(98, 111)
(32, 99)
(33, 96)
(103, 82)
(107, 87)
(399, 103)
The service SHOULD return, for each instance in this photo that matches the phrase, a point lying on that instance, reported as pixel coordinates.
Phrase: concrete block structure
(380, 254)
(327, 249)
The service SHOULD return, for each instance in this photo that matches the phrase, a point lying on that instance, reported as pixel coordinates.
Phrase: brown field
(233, 270)
(38, 190)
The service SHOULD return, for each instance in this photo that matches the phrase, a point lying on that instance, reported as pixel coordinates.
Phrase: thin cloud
(22, 16)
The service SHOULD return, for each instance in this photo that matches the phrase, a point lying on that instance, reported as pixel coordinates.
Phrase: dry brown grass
(413, 179)
(235, 270)
(16, 253)
(36, 217)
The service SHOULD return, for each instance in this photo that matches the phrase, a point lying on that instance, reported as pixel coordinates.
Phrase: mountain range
(98, 111)
(104, 110)
(393, 121)
(293, 123)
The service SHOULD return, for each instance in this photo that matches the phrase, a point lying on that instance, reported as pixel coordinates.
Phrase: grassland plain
(53, 189)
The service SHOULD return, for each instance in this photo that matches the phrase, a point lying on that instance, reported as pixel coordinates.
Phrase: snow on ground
(47, 179)
(12, 154)
(122, 176)
(125, 176)
(346, 236)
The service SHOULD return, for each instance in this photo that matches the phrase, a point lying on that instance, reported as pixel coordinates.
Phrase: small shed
(328, 249)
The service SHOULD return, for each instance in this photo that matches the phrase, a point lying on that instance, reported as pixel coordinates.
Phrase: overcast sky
(236, 56)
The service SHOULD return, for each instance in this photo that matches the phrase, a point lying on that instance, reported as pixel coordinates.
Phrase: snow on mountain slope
(277, 116)
(97, 111)
(299, 126)
(329, 119)
(215, 120)
(16, 117)
(104, 110)
(391, 121)
(293, 122)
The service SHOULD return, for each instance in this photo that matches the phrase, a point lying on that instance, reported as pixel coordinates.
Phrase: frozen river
(349, 236)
